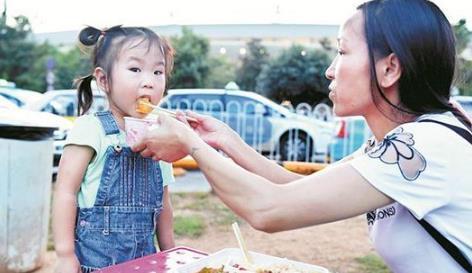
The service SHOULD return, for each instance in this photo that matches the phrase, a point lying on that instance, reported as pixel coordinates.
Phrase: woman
(395, 67)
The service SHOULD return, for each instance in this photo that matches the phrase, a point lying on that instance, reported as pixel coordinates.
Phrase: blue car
(351, 133)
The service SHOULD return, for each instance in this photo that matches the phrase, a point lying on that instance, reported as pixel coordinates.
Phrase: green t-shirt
(88, 131)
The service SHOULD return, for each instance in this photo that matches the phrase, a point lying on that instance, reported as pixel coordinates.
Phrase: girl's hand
(211, 130)
(67, 264)
(168, 142)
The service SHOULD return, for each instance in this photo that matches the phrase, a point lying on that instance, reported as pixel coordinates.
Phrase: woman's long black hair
(421, 37)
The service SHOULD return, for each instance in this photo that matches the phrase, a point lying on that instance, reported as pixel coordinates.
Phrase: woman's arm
(221, 136)
(165, 224)
(72, 167)
(336, 193)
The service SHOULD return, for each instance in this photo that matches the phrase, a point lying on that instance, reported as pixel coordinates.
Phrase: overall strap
(449, 247)
(108, 122)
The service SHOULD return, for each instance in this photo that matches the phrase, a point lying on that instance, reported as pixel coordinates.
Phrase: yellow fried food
(143, 106)
(211, 270)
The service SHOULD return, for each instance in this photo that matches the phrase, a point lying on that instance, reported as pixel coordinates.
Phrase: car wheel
(295, 145)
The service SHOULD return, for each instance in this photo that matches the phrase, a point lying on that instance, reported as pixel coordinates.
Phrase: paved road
(191, 181)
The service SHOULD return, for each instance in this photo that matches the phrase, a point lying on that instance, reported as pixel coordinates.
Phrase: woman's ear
(101, 78)
(389, 70)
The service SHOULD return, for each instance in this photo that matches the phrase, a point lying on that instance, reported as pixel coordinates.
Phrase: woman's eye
(340, 52)
(134, 69)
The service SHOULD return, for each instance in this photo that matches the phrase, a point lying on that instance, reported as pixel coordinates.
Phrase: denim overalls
(121, 224)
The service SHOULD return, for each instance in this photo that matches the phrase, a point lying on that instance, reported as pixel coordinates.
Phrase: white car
(265, 125)
(6, 103)
(20, 97)
(65, 103)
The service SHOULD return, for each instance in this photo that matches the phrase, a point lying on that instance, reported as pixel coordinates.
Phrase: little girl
(109, 201)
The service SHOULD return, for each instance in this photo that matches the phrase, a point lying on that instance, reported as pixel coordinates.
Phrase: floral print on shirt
(397, 148)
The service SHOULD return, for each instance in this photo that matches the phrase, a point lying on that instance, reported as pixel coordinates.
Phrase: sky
(62, 15)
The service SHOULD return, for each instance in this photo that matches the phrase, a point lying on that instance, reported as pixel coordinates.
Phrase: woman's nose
(329, 73)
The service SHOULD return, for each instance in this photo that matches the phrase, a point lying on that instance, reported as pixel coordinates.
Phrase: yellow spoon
(145, 107)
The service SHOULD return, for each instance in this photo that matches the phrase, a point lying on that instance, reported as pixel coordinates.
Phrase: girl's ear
(101, 78)
(389, 70)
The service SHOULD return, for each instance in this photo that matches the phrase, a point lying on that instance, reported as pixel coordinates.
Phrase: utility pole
(4, 13)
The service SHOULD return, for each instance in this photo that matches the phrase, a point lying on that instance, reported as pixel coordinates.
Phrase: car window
(12, 99)
(66, 105)
(99, 104)
(248, 106)
(63, 105)
(196, 102)
(5, 103)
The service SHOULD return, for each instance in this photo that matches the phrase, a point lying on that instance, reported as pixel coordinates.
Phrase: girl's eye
(134, 69)
(158, 72)
(340, 52)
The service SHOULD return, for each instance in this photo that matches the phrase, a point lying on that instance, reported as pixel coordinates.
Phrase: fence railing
(302, 133)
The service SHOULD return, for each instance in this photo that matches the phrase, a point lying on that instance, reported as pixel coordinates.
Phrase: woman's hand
(168, 142)
(67, 264)
(211, 130)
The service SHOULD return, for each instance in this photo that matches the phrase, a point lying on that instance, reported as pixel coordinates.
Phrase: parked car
(20, 97)
(262, 123)
(65, 103)
(350, 134)
(7, 104)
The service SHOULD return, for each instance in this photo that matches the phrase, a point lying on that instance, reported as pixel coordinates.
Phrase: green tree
(18, 52)
(70, 65)
(297, 75)
(24, 62)
(191, 65)
(464, 66)
(252, 63)
(222, 70)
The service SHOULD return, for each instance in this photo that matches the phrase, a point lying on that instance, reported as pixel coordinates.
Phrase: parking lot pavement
(191, 181)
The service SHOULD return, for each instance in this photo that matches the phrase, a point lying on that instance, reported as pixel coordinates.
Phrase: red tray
(165, 261)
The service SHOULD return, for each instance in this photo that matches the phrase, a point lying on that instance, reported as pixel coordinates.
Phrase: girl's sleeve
(86, 132)
(167, 173)
(409, 166)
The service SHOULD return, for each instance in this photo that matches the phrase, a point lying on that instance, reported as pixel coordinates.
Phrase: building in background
(231, 39)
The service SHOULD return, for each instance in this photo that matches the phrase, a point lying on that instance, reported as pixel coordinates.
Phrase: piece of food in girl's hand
(143, 106)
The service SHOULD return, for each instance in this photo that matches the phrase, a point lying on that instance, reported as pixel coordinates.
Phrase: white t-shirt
(88, 131)
(425, 167)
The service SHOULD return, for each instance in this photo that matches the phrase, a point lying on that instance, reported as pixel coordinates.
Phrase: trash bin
(26, 156)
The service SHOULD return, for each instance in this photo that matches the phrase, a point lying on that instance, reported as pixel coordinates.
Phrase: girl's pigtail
(89, 36)
(84, 95)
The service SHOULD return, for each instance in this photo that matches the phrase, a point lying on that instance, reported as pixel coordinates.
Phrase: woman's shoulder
(431, 125)
(429, 133)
